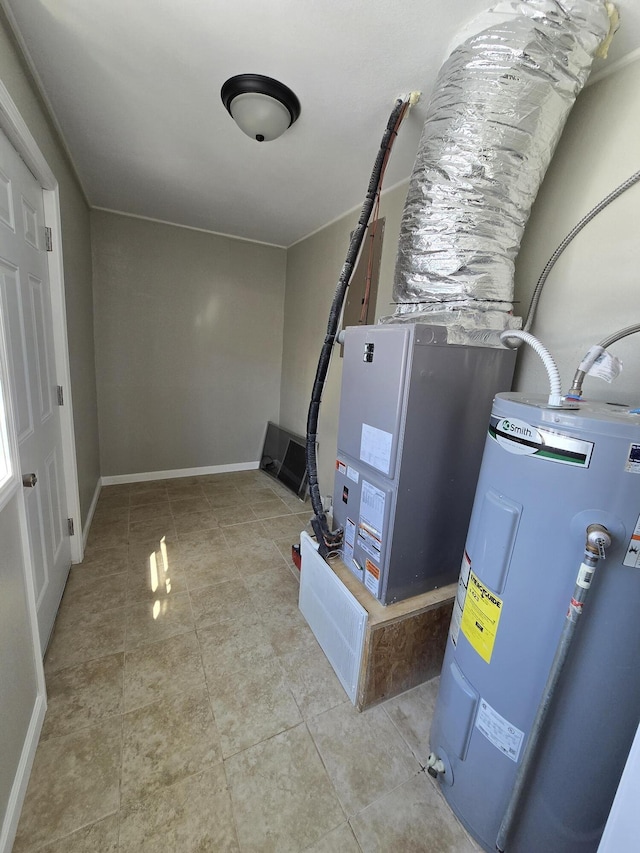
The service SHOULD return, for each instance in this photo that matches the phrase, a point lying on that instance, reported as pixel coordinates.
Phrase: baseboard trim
(21, 779)
(87, 525)
(118, 479)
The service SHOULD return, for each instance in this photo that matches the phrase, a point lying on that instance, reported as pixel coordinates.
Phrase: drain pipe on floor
(597, 540)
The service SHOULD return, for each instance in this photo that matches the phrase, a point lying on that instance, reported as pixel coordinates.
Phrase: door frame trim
(15, 128)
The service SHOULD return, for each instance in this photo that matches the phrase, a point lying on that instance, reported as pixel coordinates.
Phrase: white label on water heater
(524, 439)
(461, 595)
(502, 734)
(517, 436)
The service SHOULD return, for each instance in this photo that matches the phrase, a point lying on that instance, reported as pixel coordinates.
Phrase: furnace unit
(413, 415)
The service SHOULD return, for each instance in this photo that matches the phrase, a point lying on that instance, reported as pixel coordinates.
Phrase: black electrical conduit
(327, 539)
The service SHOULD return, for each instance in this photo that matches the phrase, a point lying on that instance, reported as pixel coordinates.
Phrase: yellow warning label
(480, 617)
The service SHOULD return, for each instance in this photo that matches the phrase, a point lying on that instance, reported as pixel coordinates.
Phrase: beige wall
(18, 686)
(591, 292)
(588, 295)
(188, 331)
(77, 263)
(313, 267)
(593, 289)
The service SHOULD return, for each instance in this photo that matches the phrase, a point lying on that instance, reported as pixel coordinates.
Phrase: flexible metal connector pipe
(598, 539)
(575, 392)
(605, 202)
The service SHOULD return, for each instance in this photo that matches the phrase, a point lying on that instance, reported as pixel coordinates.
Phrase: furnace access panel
(414, 412)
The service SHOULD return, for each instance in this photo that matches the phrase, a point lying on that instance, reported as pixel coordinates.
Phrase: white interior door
(22, 690)
(26, 306)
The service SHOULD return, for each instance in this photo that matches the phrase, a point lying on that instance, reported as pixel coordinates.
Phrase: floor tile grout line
(231, 800)
(139, 797)
(398, 730)
(190, 691)
(325, 835)
(326, 769)
(388, 793)
(353, 832)
(381, 796)
(284, 678)
(278, 656)
(263, 740)
(48, 841)
(119, 818)
(222, 759)
(162, 641)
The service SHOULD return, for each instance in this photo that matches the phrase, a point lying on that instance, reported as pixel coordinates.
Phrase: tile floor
(190, 707)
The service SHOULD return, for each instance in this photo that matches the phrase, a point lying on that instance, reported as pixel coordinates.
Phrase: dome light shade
(262, 107)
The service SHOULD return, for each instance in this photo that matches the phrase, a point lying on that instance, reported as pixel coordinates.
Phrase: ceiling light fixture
(262, 107)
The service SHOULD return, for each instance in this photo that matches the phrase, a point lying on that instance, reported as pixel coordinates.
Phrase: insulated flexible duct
(499, 105)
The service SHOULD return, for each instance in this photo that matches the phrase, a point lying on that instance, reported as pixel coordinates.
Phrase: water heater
(546, 475)
(413, 414)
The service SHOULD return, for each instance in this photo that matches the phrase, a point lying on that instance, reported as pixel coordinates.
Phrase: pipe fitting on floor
(435, 765)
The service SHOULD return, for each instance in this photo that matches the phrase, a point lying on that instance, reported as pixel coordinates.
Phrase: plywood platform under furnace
(404, 642)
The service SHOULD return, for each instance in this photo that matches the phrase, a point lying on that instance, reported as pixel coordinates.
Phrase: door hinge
(60, 396)
(70, 526)
(48, 239)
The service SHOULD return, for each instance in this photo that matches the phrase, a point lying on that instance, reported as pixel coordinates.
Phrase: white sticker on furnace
(633, 460)
(632, 557)
(500, 732)
(369, 542)
(349, 540)
(375, 447)
(372, 501)
(350, 532)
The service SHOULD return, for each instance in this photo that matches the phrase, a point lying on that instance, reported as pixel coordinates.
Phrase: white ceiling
(134, 86)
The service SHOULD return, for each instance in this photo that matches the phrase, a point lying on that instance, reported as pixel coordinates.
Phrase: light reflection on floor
(159, 579)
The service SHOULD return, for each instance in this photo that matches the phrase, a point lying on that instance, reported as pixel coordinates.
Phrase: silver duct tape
(499, 106)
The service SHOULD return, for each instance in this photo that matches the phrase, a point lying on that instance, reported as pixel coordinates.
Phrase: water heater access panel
(413, 418)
